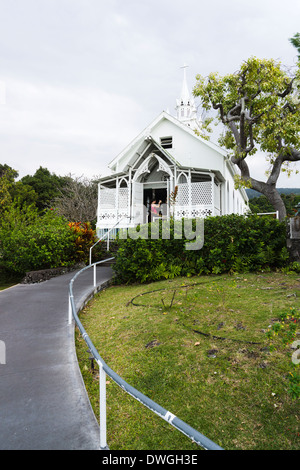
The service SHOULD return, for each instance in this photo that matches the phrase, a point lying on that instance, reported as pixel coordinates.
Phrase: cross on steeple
(185, 96)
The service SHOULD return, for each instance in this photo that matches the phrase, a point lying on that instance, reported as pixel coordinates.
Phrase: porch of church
(123, 203)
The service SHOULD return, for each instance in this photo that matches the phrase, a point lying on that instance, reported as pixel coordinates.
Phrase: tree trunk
(275, 199)
(267, 189)
(272, 195)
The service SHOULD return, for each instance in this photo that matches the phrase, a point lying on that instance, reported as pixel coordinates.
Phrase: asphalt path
(43, 401)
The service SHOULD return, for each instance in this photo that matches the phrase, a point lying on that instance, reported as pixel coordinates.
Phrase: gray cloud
(84, 77)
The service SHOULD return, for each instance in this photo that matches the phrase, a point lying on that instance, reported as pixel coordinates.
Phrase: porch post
(213, 192)
(117, 199)
(190, 193)
(129, 195)
(98, 208)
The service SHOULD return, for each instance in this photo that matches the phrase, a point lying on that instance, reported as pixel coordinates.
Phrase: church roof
(120, 162)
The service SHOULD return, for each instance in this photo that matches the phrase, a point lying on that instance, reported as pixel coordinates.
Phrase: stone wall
(32, 277)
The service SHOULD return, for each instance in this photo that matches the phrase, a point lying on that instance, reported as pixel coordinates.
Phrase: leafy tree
(295, 41)
(14, 191)
(47, 186)
(9, 172)
(23, 194)
(259, 110)
(261, 204)
(7, 178)
(75, 198)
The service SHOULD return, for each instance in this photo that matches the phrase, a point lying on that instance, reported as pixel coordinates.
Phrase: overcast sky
(79, 79)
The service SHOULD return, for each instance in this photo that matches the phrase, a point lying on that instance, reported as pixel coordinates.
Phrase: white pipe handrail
(105, 235)
(104, 370)
(269, 213)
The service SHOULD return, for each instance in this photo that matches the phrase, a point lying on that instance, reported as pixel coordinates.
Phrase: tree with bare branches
(77, 200)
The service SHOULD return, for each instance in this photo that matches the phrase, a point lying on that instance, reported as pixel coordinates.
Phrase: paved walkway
(43, 401)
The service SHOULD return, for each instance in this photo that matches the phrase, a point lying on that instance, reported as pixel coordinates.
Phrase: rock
(263, 365)
(212, 353)
(152, 344)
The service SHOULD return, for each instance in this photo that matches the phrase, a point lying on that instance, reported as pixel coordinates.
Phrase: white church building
(165, 159)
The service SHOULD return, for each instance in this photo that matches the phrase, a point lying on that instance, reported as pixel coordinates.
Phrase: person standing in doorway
(155, 209)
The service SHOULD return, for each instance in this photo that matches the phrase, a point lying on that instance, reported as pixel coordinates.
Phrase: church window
(166, 142)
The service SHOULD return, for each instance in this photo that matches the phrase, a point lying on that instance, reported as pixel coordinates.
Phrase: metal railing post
(102, 398)
(70, 310)
(105, 235)
(95, 276)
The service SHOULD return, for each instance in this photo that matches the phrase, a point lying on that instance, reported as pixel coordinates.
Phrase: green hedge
(30, 242)
(232, 243)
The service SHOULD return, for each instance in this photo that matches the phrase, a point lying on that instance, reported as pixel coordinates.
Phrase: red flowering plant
(84, 239)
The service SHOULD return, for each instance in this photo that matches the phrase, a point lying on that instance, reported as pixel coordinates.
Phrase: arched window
(123, 183)
(182, 178)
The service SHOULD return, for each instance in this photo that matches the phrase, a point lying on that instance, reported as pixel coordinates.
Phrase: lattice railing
(191, 212)
(194, 200)
(123, 198)
(183, 195)
(195, 194)
(201, 193)
(113, 205)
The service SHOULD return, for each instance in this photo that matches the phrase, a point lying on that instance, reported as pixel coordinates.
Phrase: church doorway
(155, 194)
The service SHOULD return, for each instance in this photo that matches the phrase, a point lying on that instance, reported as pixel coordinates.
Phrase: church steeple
(185, 105)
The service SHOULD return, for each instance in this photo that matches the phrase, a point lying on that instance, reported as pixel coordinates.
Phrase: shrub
(232, 243)
(30, 242)
(84, 239)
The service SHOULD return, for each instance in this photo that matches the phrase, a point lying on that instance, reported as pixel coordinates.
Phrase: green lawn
(6, 285)
(6, 282)
(198, 347)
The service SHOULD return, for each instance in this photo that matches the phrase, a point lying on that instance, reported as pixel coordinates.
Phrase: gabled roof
(135, 145)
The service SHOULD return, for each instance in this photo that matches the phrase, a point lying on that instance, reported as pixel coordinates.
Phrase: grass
(6, 285)
(7, 281)
(197, 347)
